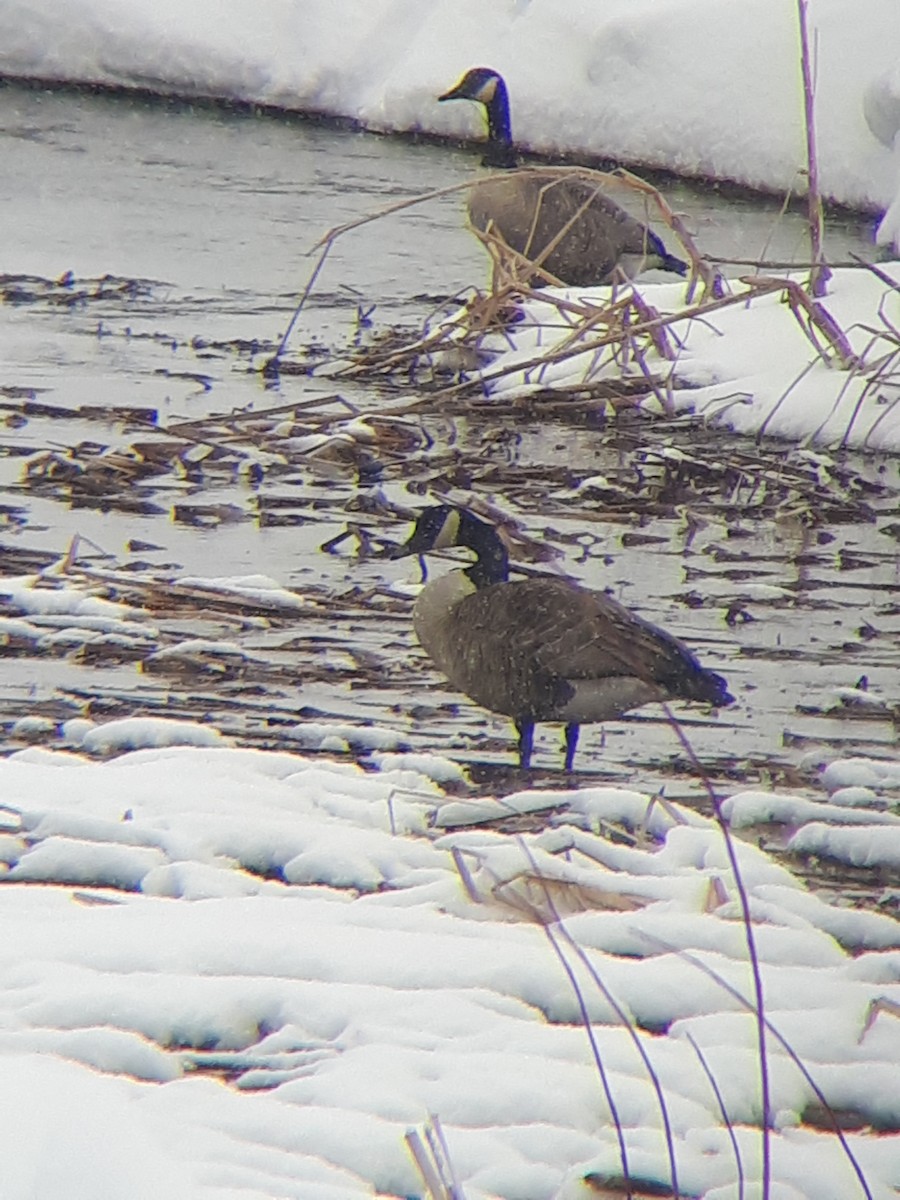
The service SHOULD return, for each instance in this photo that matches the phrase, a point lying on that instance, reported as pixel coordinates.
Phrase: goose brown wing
(593, 636)
(529, 638)
(580, 634)
(529, 209)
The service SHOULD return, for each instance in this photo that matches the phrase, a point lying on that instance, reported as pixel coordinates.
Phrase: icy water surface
(186, 234)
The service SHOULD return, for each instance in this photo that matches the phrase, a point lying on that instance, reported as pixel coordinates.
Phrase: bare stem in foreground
(752, 954)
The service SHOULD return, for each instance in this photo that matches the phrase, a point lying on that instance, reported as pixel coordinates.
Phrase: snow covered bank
(697, 86)
(299, 929)
(763, 360)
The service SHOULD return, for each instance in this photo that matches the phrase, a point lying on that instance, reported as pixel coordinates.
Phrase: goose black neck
(491, 560)
(500, 149)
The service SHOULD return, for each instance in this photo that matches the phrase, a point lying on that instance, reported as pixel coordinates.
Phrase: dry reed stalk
(888, 411)
(723, 1113)
(510, 269)
(179, 428)
(599, 178)
(602, 180)
(761, 432)
(648, 316)
(698, 310)
(820, 273)
(815, 314)
(433, 1163)
(465, 875)
(395, 358)
(555, 920)
(595, 1050)
(773, 264)
(663, 397)
(752, 953)
(440, 1152)
(711, 279)
(882, 1004)
(749, 1006)
(427, 1168)
(879, 274)
(893, 334)
(325, 243)
(875, 380)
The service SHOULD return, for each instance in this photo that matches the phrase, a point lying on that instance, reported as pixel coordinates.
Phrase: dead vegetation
(621, 350)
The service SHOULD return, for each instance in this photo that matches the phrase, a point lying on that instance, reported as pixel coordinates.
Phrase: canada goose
(530, 208)
(542, 648)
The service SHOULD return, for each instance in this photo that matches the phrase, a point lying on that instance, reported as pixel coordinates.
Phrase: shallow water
(205, 218)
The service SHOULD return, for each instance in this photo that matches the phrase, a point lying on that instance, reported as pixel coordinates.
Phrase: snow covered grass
(349, 959)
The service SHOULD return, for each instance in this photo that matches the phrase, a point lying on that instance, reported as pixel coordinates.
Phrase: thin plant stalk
(425, 1166)
(595, 1053)
(440, 1153)
(617, 1009)
(795, 1058)
(757, 286)
(820, 274)
(598, 178)
(723, 1112)
(752, 953)
(271, 367)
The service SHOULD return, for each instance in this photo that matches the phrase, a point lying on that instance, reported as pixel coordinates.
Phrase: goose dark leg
(572, 732)
(525, 730)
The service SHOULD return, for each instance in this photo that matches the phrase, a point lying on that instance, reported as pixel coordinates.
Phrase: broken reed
(633, 329)
(602, 180)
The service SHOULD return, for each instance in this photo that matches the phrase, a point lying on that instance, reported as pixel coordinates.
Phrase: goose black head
(443, 526)
(486, 87)
(435, 529)
(479, 84)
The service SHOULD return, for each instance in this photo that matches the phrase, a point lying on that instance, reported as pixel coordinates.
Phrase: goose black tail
(666, 261)
(711, 688)
(671, 263)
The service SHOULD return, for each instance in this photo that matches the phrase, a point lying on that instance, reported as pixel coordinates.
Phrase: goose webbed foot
(572, 732)
(525, 730)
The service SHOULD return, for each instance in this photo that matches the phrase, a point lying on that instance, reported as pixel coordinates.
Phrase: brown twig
(816, 314)
(712, 280)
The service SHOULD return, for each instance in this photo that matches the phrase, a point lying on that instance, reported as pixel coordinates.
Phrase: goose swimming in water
(530, 208)
(542, 648)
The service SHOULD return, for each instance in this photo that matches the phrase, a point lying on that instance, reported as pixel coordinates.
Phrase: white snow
(861, 772)
(181, 918)
(259, 588)
(432, 766)
(859, 845)
(30, 594)
(131, 733)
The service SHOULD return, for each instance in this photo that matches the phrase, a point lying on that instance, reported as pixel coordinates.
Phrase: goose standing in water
(543, 648)
(529, 209)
